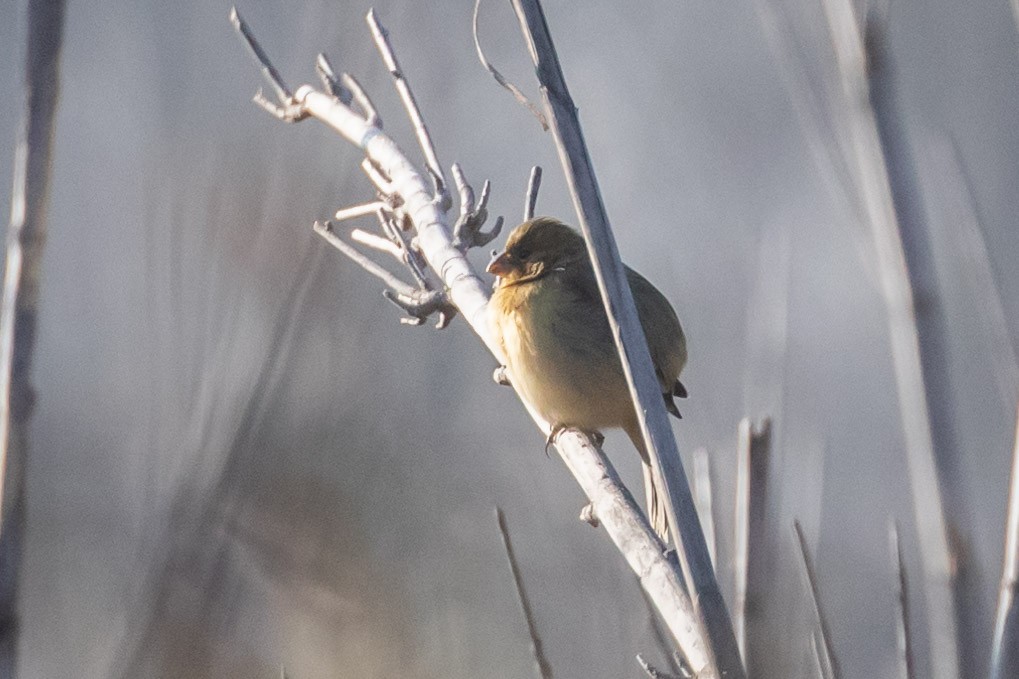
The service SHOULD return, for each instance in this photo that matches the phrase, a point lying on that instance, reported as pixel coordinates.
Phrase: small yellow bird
(547, 315)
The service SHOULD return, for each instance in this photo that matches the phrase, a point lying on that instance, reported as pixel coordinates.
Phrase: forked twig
(467, 231)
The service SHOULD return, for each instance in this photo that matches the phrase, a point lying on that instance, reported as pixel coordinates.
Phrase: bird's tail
(656, 513)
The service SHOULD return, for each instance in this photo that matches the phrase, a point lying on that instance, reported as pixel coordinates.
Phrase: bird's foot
(556, 430)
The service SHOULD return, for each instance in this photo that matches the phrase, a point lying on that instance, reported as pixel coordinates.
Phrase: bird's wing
(657, 317)
(661, 327)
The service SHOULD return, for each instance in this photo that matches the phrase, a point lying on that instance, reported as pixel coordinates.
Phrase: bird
(547, 316)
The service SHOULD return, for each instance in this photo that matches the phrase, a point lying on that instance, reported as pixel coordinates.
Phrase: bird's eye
(523, 253)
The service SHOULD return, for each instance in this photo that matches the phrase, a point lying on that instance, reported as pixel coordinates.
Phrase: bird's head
(536, 248)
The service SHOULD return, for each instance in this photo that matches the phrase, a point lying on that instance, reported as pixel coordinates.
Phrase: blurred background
(241, 460)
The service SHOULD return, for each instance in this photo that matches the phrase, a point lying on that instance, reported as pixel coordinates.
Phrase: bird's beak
(500, 265)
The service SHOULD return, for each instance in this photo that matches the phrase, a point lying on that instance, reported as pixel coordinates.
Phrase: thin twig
(1004, 657)
(325, 229)
(820, 636)
(356, 211)
(379, 243)
(531, 199)
(381, 37)
(499, 78)
(667, 467)
(269, 71)
(544, 669)
(903, 643)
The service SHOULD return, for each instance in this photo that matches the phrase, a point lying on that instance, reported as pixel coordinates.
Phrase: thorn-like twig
(381, 37)
(589, 516)
(531, 199)
(541, 662)
(510, 87)
(467, 231)
(820, 636)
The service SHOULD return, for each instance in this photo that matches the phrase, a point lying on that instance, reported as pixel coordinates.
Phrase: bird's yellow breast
(560, 354)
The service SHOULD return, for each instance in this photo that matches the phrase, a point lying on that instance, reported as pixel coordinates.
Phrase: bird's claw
(556, 430)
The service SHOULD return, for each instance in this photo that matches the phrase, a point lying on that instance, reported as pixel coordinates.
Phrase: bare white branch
(381, 37)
